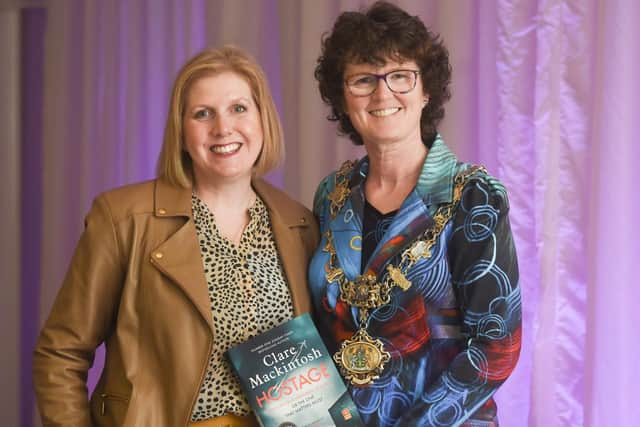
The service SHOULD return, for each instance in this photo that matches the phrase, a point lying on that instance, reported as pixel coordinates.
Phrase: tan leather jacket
(136, 282)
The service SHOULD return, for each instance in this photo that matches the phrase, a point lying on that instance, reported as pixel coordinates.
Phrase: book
(290, 379)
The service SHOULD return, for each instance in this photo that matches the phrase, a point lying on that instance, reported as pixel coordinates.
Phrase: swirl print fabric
(454, 335)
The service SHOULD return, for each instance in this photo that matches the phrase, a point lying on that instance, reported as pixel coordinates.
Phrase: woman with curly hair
(415, 280)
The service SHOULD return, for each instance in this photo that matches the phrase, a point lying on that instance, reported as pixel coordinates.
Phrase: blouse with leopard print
(248, 295)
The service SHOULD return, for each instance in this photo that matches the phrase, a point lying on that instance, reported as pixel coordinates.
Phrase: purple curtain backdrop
(32, 25)
(546, 96)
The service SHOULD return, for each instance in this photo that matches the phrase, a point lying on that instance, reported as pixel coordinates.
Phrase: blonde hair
(174, 163)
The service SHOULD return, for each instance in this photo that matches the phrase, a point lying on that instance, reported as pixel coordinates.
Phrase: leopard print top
(248, 293)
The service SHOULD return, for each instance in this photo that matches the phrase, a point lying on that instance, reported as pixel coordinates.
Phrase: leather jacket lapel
(179, 256)
(286, 224)
(294, 264)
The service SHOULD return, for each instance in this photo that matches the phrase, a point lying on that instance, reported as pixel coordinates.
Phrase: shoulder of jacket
(479, 175)
(279, 201)
(129, 199)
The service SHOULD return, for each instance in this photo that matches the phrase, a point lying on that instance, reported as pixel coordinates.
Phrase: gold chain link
(367, 292)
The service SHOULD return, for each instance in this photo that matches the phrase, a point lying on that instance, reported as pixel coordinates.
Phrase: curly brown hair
(383, 32)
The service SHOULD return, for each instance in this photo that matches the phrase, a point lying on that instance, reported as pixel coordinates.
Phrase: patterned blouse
(248, 293)
(454, 333)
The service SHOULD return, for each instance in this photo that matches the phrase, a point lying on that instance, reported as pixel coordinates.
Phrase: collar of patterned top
(435, 183)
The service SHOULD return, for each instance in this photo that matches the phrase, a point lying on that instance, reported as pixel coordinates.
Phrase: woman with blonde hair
(172, 272)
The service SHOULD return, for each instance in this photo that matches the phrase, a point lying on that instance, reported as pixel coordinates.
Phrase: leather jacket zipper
(105, 397)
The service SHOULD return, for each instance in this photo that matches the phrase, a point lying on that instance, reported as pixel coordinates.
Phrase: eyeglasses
(398, 81)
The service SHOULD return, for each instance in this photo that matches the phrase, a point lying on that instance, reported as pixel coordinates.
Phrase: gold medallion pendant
(361, 358)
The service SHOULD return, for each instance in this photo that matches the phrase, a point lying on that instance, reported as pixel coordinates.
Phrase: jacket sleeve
(484, 273)
(82, 317)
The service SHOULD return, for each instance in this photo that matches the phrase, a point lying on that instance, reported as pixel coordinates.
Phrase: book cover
(290, 379)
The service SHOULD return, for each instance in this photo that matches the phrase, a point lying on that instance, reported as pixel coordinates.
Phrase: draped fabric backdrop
(545, 95)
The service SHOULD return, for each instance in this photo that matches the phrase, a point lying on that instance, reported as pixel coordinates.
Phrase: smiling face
(384, 116)
(222, 128)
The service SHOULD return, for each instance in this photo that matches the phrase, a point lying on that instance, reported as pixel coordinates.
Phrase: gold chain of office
(361, 358)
